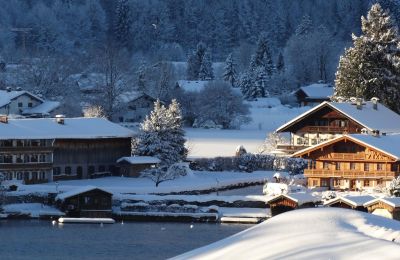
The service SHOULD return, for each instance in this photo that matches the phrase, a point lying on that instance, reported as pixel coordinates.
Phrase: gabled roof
(382, 118)
(299, 198)
(73, 128)
(192, 85)
(388, 145)
(43, 109)
(77, 191)
(394, 202)
(130, 96)
(317, 91)
(7, 96)
(139, 160)
(354, 201)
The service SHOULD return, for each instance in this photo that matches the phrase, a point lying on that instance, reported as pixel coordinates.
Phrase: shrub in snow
(328, 195)
(273, 189)
(394, 187)
(94, 111)
(158, 175)
(240, 150)
(271, 142)
(179, 169)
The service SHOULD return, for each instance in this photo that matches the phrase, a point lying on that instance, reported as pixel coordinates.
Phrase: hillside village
(272, 122)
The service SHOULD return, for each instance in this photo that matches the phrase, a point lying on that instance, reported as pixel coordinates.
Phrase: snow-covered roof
(130, 96)
(73, 128)
(192, 85)
(139, 160)
(355, 201)
(382, 118)
(318, 91)
(89, 81)
(300, 198)
(45, 108)
(74, 192)
(388, 144)
(394, 202)
(7, 96)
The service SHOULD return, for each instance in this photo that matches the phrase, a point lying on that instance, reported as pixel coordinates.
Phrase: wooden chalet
(353, 162)
(286, 202)
(385, 207)
(332, 119)
(350, 202)
(314, 94)
(133, 166)
(49, 149)
(88, 201)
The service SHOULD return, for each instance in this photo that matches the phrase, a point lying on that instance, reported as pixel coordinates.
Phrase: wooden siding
(349, 174)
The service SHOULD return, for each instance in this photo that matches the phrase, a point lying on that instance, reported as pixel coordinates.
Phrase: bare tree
(94, 111)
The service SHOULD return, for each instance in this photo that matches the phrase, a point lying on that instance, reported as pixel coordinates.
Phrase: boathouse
(87, 201)
(286, 202)
(385, 207)
(350, 202)
(132, 166)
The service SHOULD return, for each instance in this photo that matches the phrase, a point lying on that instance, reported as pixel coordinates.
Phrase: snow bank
(33, 209)
(324, 233)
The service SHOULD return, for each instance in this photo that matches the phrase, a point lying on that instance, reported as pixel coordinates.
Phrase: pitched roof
(44, 109)
(317, 91)
(394, 202)
(355, 201)
(386, 144)
(382, 118)
(74, 192)
(130, 96)
(192, 85)
(7, 96)
(299, 198)
(73, 128)
(139, 160)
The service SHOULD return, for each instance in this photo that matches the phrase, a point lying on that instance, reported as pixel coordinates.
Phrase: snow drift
(320, 233)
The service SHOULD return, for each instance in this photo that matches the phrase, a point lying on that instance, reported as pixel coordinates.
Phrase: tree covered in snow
(123, 23)
(394, 187)
(161, 135)
(271, 142)
(230, 73)
(94, 111)
(263, 57)
(159, 175)
(219, 103)
(371, 68)
(200, 64)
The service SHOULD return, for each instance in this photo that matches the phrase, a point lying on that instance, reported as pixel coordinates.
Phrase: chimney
(4, 119)
(375, 132)
(18, 89)
(359, 103)
(374, 101)
(353, 100)
(60, 119)
(340, 99)
(8, 89)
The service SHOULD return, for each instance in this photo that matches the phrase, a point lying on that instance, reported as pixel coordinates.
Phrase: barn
(132, 166)
(350, 202)
(385, 207)
(87, 201)
(286, 202)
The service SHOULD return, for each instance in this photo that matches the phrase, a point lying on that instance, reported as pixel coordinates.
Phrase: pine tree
(262, 57)
(206, 70)
(245, 85)
(371, 67)
(230, 70)
(253, 88)
(260, 84)
(161, 135)
(280, 64)
(123, 24)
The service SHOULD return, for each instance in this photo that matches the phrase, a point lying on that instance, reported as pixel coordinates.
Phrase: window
(121, 119)
(68, 170)
(312, 164)
(379, 182)
(337, 182)
(326, 166)
(380, 167)
(352, 166)
(30, 104)
(313, 141)
(20, 104)
(366, 167)
(315, 183)
(366, 183)
(42, 158)
(337, 166)
(324, 183)
(91, 170)
(102, 168)
(56, 170)
(299, 141)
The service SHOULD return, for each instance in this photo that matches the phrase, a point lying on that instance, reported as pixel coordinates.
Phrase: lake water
(39, 239)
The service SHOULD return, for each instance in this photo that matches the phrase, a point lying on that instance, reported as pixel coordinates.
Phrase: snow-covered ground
(35, 210)
(197, 181)
(267, 115)
(319, 233)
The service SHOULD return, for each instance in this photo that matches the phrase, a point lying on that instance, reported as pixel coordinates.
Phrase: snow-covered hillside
(320, 233)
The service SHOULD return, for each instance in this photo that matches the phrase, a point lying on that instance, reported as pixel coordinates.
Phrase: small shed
(132, 166)
(350, 202)
(385, 207)
(286, 202)
(88, 201)
(314, 94)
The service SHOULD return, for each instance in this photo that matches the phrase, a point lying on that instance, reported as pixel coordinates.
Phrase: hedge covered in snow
(250, 162)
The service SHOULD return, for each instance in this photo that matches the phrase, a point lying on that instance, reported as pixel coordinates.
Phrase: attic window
(30, 104)
(20, 104)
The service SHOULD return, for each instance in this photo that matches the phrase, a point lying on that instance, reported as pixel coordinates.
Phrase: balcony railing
(344, 156)
(328, 129)
(349, 173)
(290, 148)
(22, 166)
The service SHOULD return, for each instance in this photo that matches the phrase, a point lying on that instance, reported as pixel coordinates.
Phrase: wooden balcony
(344, 156)
(328, 129)
(288, 148)
(26, 166)
(349, 173)
(26, 149)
